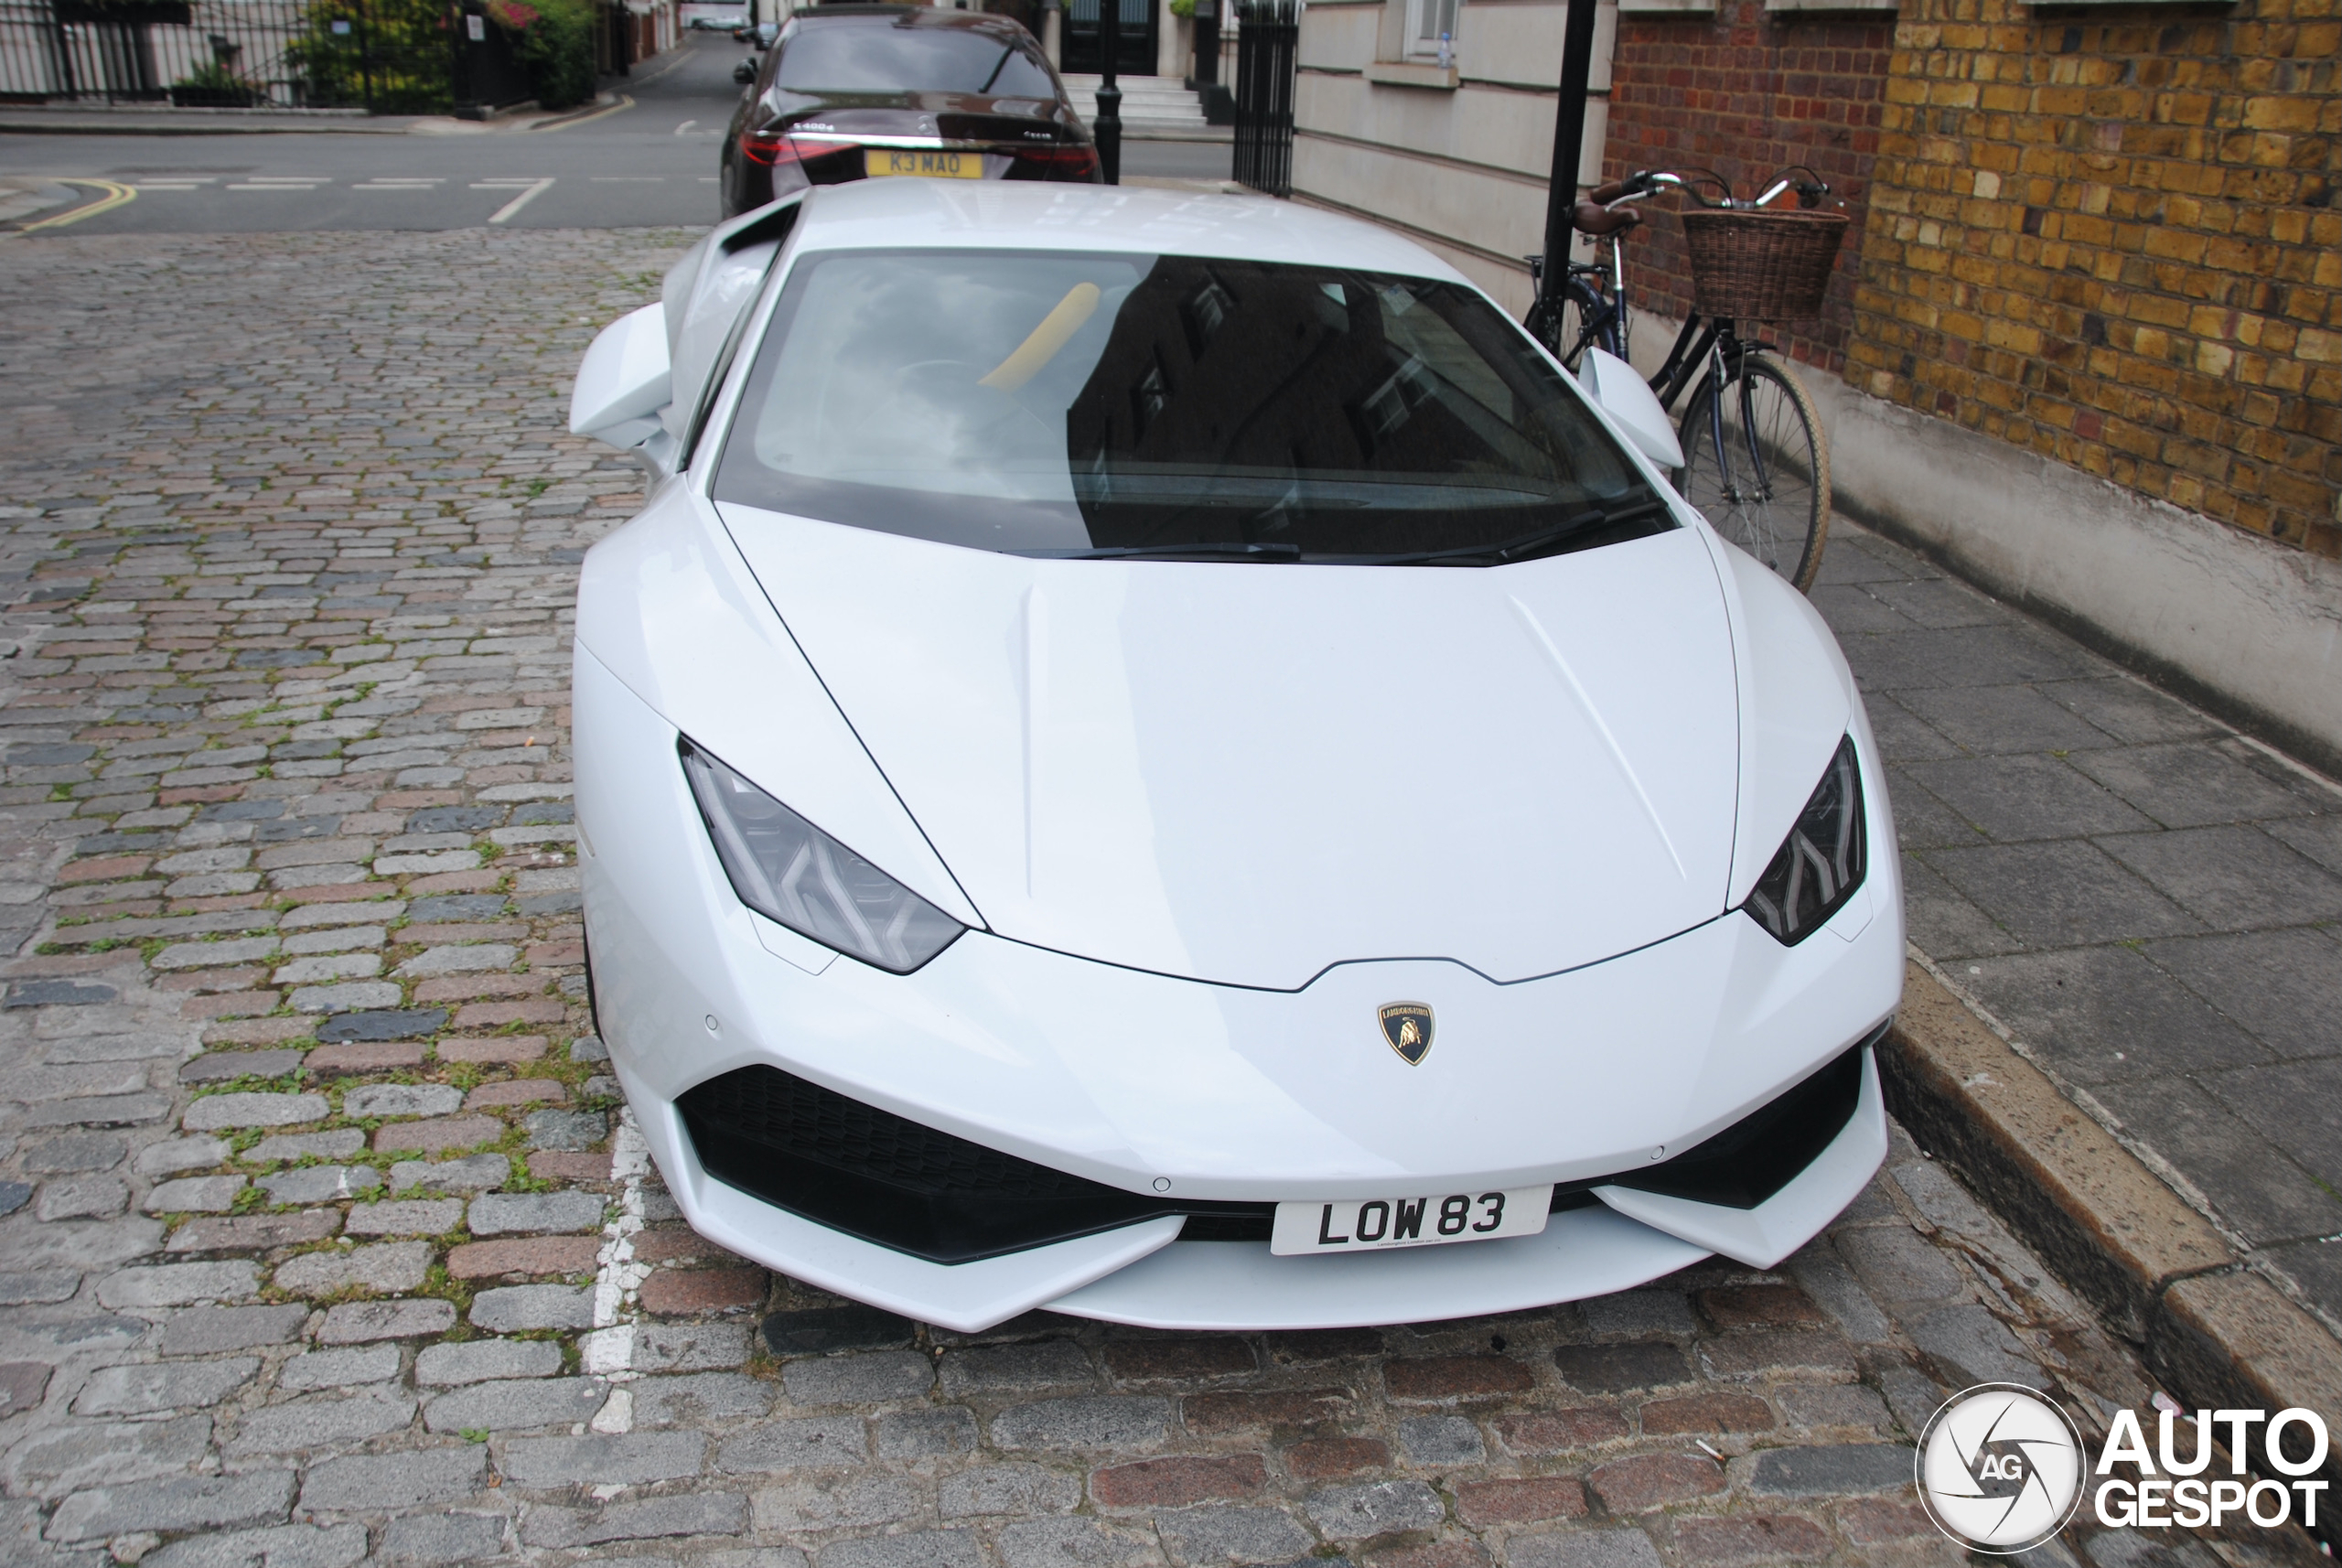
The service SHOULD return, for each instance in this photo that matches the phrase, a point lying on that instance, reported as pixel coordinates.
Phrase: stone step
(1153, 107)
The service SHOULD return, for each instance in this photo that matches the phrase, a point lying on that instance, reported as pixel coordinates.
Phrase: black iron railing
(1268, 32)
(384, 56)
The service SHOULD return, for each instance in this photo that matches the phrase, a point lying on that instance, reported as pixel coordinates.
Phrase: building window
(1427, 21)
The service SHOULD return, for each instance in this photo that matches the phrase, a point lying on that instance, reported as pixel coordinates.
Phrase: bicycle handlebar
(1649, 182)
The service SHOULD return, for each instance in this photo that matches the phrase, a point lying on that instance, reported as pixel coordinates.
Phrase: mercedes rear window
(905, 57)
(1115, 404)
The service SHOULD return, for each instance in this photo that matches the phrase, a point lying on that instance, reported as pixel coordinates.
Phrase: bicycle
(1755, 462)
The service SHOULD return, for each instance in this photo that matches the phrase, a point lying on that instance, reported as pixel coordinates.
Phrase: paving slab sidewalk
(2144, 899)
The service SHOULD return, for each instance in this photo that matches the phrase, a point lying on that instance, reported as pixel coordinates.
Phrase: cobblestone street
(326, 1241)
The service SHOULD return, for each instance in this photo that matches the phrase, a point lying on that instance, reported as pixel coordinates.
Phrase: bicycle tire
(1771, 497)
(1540, 324)
(1584, 300)
(1561, 331)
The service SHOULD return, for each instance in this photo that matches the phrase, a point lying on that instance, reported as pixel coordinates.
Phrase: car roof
(951, 215)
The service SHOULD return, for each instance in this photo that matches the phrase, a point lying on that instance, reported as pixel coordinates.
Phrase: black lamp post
(1109, 129)
(1569, 135)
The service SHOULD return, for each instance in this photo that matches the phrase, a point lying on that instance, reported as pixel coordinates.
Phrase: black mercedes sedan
(861, 91)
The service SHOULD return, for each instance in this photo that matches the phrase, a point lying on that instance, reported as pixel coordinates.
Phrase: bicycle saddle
(1588, 218)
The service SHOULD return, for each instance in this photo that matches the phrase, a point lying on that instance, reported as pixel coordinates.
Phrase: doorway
(1135, 57)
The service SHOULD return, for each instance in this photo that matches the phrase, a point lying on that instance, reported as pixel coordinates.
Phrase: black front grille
(1231, 1226)
(1763, 1152)
(766, 1105)
(897, 1182)
(903, 1185)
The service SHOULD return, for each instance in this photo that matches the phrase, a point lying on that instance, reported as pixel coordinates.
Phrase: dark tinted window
(902, 56)
(1057, 403)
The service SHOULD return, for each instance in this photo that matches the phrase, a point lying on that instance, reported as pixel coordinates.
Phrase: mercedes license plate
(881, 162)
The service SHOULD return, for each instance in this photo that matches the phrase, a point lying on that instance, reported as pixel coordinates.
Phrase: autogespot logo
(2000, 1469)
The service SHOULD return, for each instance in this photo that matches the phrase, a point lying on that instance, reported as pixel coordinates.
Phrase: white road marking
(145, 185)
(609, 1351)
(504, 213)
(399, 182)
(685, 126)
(280, 185)
(627, 178)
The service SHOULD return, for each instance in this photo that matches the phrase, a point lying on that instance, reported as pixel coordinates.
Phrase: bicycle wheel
(1562, 329)
(1761, 473)
(1546, 325)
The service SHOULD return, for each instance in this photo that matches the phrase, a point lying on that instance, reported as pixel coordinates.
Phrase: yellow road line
(620, 107)
(117, 195)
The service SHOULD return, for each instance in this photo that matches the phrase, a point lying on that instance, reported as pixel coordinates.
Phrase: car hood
(1247, 773)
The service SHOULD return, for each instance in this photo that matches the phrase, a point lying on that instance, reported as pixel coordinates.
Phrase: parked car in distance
(851, 92)
(1153, 756)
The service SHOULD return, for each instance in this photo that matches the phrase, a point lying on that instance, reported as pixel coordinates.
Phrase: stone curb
(2219, 1336)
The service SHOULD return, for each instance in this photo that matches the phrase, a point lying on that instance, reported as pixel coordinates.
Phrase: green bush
(394, 56)
(557, 46)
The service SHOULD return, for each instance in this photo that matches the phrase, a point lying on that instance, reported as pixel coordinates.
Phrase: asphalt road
(649, 160)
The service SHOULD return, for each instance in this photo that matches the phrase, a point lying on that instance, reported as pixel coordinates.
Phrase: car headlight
(1821, 861)
(788, 870)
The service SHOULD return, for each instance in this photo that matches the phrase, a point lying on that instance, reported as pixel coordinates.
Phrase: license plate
(879, 162)
(1368, 1225)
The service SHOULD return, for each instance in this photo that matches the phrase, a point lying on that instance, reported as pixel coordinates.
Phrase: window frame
(1415, 46)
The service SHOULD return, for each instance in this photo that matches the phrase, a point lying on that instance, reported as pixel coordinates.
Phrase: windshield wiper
(1211, 550)
(1526, 546)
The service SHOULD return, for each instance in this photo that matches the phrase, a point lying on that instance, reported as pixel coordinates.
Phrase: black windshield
(1146, 405)
(906, 57)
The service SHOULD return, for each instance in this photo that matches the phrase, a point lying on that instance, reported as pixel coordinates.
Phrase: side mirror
(1627, 398)
(623, 383)
(745, 72)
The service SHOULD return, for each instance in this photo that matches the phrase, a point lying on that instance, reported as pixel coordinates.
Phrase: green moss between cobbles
(147, 946)
(438, 1283)
(293, 1082)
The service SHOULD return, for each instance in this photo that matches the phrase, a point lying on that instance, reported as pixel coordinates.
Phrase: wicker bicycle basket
(1764, 266)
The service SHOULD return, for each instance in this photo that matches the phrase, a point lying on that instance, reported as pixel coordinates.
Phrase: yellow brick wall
(2118, 242)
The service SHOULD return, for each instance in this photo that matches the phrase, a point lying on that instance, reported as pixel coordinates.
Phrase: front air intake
(1766, 1150)
(893, 1181)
